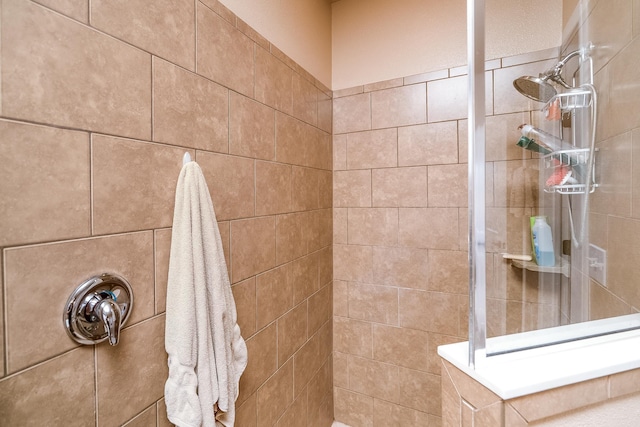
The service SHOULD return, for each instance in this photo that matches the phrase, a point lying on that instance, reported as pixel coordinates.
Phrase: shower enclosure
(561, 143)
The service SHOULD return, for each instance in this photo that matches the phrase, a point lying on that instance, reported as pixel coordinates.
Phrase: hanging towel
(206, 352)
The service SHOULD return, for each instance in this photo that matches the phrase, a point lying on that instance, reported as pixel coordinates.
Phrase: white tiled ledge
(526, 372)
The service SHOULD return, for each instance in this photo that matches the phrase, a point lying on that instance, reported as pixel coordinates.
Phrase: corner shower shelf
(562, 268)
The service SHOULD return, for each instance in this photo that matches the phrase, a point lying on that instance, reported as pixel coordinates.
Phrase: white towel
(207, 355)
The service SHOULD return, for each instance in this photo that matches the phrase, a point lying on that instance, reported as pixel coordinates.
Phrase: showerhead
(536, 88)
(540, 88)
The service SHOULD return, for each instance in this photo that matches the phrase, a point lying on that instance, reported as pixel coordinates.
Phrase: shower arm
(554, 74)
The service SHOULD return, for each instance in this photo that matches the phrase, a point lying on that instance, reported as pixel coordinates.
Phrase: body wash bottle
(543, 242)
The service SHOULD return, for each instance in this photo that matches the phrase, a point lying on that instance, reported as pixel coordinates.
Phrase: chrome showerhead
(536, 88)
(540, 88)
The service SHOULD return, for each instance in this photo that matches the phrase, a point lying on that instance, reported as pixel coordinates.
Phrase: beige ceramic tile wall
(615, 208)
(466, 402)
(99, 102)
(400, 235)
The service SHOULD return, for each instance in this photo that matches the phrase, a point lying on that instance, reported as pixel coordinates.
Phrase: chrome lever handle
(98, 309)
(110, 314)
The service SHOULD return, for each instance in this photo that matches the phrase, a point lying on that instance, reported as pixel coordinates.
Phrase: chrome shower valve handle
(97, 309)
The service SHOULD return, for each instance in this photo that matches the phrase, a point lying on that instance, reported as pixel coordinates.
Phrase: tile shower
(96, 115)
(385, 218)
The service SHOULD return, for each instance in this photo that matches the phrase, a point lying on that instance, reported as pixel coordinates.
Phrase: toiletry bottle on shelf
(543, 242)
(552, 142)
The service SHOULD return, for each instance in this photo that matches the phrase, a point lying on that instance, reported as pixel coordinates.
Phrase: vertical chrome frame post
(477, 247)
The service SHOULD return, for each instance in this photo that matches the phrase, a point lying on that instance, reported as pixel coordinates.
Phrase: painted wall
(301, 29)
(377, 40)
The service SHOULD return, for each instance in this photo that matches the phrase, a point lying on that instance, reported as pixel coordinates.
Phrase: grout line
(195, 35)
(5, 317)
(95, 382)
(152, 100)
(91, 193)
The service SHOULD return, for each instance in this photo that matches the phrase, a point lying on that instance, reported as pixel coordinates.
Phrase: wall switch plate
(598, 264)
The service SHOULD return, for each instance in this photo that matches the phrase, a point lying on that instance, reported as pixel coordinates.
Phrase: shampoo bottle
(542, 242)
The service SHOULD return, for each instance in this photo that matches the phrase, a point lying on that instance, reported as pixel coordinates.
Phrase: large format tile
(399, 187)
(131, 376)
(373, 226)
(448, 271)
(262, 350)
(352, 113)
(33, 186)
(251, 128)
(305, 189)
(162, 250)
(432, 228)
(39, 279)
(420, 390)
(224, 54)
(231, 182)
(244, 295)
(562, 399)
(275, 395)
(622, 269)
(273, 188)
(76, 9)
(390, 414)
(134, 184)
(292, 332)
(148, 417)
(352, 188)
(304, 274)
(447, 185)
(319, 391)
(373, 303)
(352, 263)
(401, 106)
(428, 144)
(447, 98)
(274, 82)
(401, 346)
(402, 267)
(2, 334)
(374, 378)
(372, 149)
(320, 308)
(353, 337)
(58, 71)
(301, 144)
(189, 110)
(352, 408)
(165, 28)
(614, 194)
(305, 100)
(441, 318)
(58, 392)
(313, 354)
(274, 294)
(253, 247)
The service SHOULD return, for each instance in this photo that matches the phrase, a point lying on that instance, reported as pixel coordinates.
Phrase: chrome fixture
(97, 309)
(540, 88)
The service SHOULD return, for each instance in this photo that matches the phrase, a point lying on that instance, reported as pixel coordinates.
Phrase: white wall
(375, 40)
(300, 28)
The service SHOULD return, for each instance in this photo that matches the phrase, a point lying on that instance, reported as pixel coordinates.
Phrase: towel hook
(186, 158)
